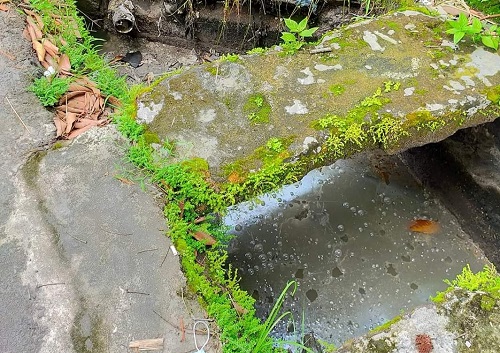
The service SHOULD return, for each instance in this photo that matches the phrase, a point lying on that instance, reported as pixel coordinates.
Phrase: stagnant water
(343, 234)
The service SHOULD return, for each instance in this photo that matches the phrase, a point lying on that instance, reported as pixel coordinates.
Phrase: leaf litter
(424, 226)
(84, 105)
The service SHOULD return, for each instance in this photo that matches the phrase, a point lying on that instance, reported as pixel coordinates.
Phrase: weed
(387, 131)
(336, 90)
(274, 144)
(50, 89)
(487, 280)
(257, 108)
(477, 30)
(293, 40)
(257, 50)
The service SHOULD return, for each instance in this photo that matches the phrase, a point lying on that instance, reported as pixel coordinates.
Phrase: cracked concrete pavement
(83, 256)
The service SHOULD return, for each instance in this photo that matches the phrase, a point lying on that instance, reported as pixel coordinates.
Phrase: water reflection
(342, 234)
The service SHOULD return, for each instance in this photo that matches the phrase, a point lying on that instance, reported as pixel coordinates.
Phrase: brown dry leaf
(4, 7)
(60, 124)
(64, 64)
(81, 123)
(125, 181)
(40, 50)
(114, 101)
(204, 237)
(26, 33)
(50, 48)
(239, 309)
(424, 226)
(34, 26)
(70, 119)
(77, 132)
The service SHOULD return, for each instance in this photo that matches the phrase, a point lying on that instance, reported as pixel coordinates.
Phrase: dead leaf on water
(424, 226)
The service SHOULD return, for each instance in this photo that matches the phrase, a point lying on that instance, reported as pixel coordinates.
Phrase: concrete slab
(84, 263)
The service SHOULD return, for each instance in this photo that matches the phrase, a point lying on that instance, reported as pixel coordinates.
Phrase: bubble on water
(256, 268)
(353, 209)
(285, 257)
(338, 252)
(251, 271)
(258, 247)
(238, 228)
(345, 204)
(262, 257)
(248, 255)
(340, 227)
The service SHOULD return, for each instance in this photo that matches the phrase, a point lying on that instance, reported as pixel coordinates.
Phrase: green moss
(487, 280)
(212, 69)
(257, 108)
(337, 89)
(151, 137)
(386, 325)
(196, 165)
(493, 94)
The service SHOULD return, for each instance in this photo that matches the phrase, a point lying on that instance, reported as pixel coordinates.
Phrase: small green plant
(461, 27)
(257, 108)
(259, 101)
(293, 39)
(257, 50)
(336, 90)
(230, 57)
(49, 89)
(274, 144)
(487, 280)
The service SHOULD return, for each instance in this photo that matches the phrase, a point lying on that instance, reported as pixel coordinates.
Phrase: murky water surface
(343, 234)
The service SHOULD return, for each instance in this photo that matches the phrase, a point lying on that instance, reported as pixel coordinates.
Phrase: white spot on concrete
(368, 67)
(447, 43)
(456, 85)
(452, 101)
(335, 46)
(434, 107)
(443, 63)
(434, 66)
(321, 67)
(309, 79)
(320, 80)
(308, 141)
(371, 39)
(206, 115)
(146, 112)
(391, 32)
(453, 62)
(468, 81)
(385, 37)
(486, 62)
(297, 108)
(280, 72)
(177, 95)
(415, 64)
(409, 13)
(409, 91)
(411, 27)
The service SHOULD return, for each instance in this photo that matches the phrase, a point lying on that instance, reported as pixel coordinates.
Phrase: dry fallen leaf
(64, 64)
(239, 309)
(424, 226)
(40, 50)
(50, 48)
(4, 7)
(204, 237)
(125, 181)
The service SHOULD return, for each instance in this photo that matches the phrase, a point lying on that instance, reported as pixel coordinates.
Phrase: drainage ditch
(343, 232)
